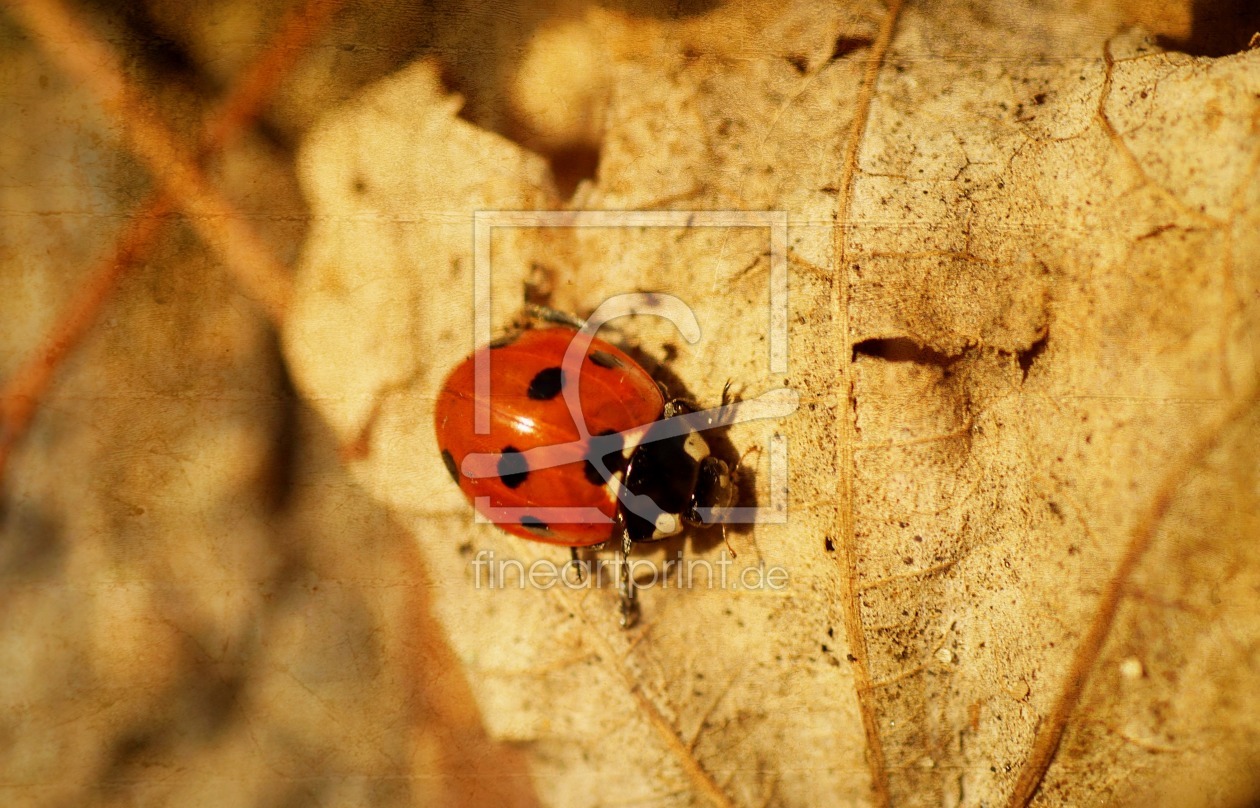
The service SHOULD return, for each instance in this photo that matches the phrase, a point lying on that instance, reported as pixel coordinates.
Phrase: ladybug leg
(755, 449)
(629, 608)
(676, 406)
(577, 564)
(550, 315)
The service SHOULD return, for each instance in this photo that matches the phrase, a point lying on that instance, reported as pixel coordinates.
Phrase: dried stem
(850, 598)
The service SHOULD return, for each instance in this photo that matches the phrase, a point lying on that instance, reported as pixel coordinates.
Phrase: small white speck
(945, 656)
(1131, 668)
(696, 447)
(667, 524)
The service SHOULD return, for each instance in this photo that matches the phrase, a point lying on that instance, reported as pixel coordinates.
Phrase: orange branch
(85, 57)
(261, 79)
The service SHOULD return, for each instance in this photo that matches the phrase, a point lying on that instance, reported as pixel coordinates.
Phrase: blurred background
(197, 607)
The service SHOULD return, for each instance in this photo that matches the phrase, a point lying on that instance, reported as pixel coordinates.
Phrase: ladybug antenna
(550, 315)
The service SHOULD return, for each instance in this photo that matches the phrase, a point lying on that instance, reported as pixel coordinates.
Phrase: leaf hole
(1030, 354)
(848, 44)
(902, 349)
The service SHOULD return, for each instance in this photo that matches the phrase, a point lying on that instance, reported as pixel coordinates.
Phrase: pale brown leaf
(1023, 318)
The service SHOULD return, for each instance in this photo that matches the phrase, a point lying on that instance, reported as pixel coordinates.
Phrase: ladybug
(582, 445)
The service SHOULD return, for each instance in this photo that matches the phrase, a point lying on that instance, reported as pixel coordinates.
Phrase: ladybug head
(680, 478)
(713, 495)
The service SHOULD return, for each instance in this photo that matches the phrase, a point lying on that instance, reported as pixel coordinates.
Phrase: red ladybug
(625, 471)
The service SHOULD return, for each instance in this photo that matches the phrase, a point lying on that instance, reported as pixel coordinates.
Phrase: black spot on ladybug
(546, 384)
(614, 460)
(505, 340)
(535, 525)
(512, 467)
(451, 468)
(606, 360)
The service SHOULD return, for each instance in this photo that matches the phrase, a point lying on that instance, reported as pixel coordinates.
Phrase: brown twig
(22, 392)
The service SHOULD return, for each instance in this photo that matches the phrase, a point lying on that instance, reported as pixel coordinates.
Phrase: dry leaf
(1022, 482)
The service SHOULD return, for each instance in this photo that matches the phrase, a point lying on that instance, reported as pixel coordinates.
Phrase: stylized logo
(775, 403)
